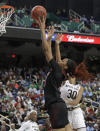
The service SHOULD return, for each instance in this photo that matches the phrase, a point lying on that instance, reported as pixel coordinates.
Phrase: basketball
(38, 11)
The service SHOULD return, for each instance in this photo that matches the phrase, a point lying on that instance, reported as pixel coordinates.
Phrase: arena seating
(21, 90)
(22, 18)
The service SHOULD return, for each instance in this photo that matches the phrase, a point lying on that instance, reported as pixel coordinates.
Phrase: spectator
(64, 14)
(47, 125)
(84, 19)
(35, 25)
(58, 12)
(12, 127)
(3, 126)
(96, 127)
(76, 19)
(90, 94)
(91, 20)
(19, 118)
(98, 113)
(90, 127)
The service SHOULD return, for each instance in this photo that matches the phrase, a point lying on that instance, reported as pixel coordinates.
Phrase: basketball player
(30, 124)
(54, 104)
(72, 92)
(69, 91)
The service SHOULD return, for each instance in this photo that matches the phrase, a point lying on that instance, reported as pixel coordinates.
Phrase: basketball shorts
(76, 118)
(58, 115)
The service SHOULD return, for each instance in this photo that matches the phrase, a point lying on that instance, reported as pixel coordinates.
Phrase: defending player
(72, 92)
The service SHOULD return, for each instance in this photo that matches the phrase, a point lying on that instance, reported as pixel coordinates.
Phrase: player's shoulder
(77, 87)
(64, 84)
(67, 82)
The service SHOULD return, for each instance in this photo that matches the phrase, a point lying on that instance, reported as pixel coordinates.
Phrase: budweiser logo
(72, 38)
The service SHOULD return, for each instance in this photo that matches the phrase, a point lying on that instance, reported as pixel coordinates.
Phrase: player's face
(64, 63)
(72, 79)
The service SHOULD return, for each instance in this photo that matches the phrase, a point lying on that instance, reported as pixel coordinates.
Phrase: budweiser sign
(77, 38)
(72, 38)
(81, 39)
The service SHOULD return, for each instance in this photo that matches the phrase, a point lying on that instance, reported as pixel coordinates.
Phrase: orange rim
(6, 7)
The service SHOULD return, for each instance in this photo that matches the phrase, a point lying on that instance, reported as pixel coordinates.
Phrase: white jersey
(29, 126)
(69, 92)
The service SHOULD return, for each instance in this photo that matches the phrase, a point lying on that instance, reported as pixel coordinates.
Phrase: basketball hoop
(5, 14)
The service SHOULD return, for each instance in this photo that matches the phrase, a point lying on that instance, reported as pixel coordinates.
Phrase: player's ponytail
(82, 73)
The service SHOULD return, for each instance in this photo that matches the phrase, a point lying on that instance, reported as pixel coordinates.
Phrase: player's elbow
(48, 56)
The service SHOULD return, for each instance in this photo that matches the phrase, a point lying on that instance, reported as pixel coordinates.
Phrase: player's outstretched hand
(50, 31)
(41, 23)
(58, 38)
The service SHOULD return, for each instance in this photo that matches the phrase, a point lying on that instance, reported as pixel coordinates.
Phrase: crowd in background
(61, 19)
(21, 90)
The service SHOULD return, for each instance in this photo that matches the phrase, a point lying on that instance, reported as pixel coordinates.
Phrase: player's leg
(68, 127)
(58, 116)
(61, 129)
(70, 117)
(78, 121)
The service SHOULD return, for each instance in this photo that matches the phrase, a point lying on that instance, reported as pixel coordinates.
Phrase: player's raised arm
(50, 34)
(57, 42)
(45, 45)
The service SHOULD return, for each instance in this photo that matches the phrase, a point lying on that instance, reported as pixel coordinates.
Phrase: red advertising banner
(81, 39)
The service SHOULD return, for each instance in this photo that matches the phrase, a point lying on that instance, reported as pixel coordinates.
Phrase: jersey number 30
(71, 94)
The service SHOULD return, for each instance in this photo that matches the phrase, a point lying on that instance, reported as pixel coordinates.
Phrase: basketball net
(5, 14)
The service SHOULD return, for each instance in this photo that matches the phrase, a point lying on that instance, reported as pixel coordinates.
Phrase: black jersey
(53, 82)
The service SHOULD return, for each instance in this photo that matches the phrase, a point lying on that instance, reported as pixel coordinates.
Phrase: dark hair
(71, 67)
(79, 71)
